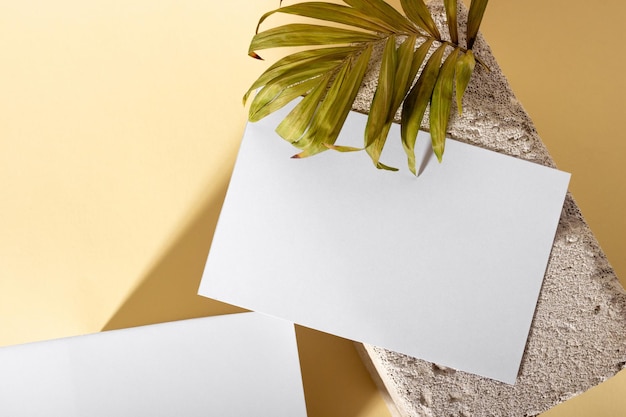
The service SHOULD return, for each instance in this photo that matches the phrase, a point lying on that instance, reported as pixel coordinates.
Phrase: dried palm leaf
(329, 75)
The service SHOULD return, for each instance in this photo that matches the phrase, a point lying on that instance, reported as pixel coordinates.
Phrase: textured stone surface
(578, 335)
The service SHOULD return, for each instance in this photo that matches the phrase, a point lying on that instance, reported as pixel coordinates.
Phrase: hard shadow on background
(336, 382)
(168, 292)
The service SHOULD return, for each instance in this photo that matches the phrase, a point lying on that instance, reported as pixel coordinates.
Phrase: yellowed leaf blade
(385, 12)
(346, 95)
(340, 148)
(300, 60)
(302, 34)
(451, 15)
(416, 102)
(475, 17)
(464, 69)
(335, 107)
(333, 13)
(418, 58)
(322, 112)
(281, 99)
(383, 95)
(405, 73)
(417, 11)
(440, 104)
(375, 149)
(401, 67)
(272, 90)
(299, 118)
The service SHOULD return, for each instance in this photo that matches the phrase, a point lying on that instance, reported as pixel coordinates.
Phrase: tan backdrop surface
(119, 125)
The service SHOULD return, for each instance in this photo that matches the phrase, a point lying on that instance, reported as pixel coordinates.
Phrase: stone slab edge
(578, 336)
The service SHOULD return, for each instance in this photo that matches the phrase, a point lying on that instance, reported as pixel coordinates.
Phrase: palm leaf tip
(255, 55)
(438, 150)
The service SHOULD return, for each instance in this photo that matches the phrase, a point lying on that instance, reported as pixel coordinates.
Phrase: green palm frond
(330, 74)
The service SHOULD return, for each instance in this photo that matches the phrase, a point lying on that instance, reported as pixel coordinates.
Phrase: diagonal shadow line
(335, 380)
(168, 292)
(426, 158)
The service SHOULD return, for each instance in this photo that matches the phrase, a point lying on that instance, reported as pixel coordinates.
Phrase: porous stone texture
(578, 335)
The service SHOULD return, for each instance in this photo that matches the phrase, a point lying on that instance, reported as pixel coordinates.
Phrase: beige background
(119, 124)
